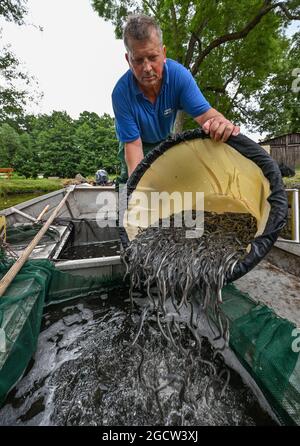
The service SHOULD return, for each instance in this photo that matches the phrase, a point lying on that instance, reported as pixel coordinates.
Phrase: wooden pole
(29, 216)
(13, 271)
(23, 214)
(42, 213)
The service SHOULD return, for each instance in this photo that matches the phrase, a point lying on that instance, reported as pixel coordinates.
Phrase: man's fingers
(227, 132)
(214, 125)
(206, 125)
(230, 129)
(236, 130)
(220, 132)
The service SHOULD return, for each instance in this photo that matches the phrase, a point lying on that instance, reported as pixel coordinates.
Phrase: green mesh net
(263, 343)
(21, 235)
(21, 308)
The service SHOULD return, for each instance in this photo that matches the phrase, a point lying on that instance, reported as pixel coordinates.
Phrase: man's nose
(147, 65)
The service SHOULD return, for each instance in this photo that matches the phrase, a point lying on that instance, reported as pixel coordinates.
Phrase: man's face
(146, 59)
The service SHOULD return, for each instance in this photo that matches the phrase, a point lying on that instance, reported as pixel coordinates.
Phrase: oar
(10, 275)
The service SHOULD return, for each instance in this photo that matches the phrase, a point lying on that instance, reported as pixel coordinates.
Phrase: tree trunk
(178, 126)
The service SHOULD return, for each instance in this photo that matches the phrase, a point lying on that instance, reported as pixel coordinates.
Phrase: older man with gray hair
(147, 97)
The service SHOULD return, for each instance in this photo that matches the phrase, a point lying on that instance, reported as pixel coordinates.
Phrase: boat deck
(275, 288)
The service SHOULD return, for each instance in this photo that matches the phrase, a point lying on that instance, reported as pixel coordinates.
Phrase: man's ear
(127, 57)
(165, 53)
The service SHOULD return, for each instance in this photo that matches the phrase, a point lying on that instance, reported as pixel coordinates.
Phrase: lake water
(13, 199)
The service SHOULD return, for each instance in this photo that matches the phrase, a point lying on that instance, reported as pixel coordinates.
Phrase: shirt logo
(168, 112)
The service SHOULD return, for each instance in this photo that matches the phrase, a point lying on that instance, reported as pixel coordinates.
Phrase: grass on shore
(27, 186)
(18, 190)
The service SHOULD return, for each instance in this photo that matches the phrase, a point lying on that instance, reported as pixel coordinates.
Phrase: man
(148, 96)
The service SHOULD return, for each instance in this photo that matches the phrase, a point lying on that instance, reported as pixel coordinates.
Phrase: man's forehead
(153, 43)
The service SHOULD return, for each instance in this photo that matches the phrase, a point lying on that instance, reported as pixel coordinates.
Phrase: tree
(96, 140)
(279, 100)
(26, 160)
(86, 144)
(10, 144)
(230, 47)
(57, 145)
(53, 138)
(12, 99)
(13, 10)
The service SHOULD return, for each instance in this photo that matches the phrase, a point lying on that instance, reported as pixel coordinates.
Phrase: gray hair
(140, 27)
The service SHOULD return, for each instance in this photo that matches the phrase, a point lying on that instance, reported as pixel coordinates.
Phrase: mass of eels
(169, 266)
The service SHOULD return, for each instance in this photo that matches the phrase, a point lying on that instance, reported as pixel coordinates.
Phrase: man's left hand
(220, 129)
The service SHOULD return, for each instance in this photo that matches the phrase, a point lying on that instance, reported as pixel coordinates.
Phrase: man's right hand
(133, 154)
(216, 125)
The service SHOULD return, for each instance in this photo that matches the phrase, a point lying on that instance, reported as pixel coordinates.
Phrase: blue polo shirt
(137, 117)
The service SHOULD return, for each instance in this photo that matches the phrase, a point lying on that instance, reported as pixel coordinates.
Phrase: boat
(262, 306)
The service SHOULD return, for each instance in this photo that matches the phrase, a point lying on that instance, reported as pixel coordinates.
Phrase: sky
(76, 59)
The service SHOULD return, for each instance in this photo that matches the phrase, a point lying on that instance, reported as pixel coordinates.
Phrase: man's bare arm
(133, 154)
(217, 125)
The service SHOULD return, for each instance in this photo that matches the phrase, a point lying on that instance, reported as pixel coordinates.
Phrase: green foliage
(13, 99)
(13, 10)
(233, 48)
(57, 145)
(58, 155)
(10, 144)
(21, 186)
(95, 137)
(26, 160)
(279, 111)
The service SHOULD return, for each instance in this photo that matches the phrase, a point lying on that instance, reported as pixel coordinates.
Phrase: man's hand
(217, 126)
(220, 128)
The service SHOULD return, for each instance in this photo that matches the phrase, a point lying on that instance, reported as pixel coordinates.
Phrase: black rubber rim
(260, 245)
